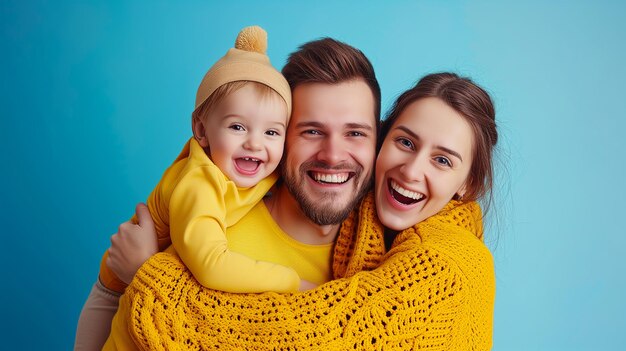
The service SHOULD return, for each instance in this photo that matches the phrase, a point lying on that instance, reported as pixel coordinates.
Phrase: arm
(132, 245)
(197, 228)
(436, 286)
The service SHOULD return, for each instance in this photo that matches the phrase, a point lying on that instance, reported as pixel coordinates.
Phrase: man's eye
(404, 142)
(312, 132)
(355, 134)
(443, 161)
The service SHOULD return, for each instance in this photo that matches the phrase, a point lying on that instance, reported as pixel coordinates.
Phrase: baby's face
(245, 134)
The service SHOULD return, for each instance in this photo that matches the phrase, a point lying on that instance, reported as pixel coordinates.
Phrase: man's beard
(322, 211)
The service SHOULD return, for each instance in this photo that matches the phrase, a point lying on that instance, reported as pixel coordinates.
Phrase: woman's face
(424, 161)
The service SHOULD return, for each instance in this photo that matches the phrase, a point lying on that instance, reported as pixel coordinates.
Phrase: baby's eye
(443, 161)
(237, 127)
(404, 142)
(272, 132)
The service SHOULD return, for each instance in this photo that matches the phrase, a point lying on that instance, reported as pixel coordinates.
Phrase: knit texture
(247, 61)
(252, 38)
(433, 290)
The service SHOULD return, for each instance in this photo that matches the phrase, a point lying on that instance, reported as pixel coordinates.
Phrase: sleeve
(158, 207)
(426, 293)
(158, 212)
(197, 226)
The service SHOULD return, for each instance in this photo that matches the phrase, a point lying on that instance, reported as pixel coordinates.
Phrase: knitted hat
(246, 61)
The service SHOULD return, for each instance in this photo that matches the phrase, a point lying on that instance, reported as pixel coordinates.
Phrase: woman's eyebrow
(442, 148)
(451, 152)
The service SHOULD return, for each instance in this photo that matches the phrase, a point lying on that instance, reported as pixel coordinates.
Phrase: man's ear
(197, 125)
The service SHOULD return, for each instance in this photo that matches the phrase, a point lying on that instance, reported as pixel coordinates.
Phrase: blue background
(96, 103)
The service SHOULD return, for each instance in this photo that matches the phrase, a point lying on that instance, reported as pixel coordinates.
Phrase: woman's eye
(237, 127)
(443, 161)
(405, 143)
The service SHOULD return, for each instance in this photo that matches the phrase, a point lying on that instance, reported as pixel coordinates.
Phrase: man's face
(330, 148)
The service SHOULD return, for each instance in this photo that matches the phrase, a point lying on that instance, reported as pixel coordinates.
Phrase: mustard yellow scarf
(433, 290)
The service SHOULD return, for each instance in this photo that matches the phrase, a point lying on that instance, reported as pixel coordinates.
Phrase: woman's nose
(414, 169)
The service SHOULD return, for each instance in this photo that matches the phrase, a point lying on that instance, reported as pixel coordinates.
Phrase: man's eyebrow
(359, 126)
(315, 124)
(442, 148)
(309, 124)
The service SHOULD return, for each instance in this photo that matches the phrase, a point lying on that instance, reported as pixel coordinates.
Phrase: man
(327, 167)
(331, 140)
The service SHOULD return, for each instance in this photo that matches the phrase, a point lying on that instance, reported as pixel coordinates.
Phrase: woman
(399, 285)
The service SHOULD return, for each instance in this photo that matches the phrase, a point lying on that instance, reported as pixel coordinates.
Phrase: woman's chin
(395, 221)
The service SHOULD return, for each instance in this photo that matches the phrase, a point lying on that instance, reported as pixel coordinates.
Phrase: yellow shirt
(258, 236)
(193, 204)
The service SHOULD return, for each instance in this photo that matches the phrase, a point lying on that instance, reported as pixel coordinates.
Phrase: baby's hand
(306, 285)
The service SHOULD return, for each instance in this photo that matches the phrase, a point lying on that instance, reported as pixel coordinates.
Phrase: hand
(306, 285)
(132, 245)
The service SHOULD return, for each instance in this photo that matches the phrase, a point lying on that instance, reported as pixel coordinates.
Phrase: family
(294, 218)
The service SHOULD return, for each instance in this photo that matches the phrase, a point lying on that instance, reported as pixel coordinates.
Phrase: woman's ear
(197, 125)
(461, 192)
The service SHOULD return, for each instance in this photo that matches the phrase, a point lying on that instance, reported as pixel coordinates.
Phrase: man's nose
(334, 150)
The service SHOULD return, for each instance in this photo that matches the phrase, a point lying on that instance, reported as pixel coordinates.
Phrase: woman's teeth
(406, 193)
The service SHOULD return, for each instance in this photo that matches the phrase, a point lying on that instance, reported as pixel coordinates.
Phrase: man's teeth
(330, 178)
(404, 192)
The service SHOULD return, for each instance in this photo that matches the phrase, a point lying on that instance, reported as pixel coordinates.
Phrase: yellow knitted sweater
(433, 290)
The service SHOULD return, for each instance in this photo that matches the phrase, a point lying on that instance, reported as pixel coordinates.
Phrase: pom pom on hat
(247, 61)
(252, 38)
